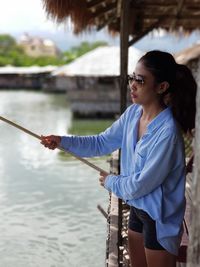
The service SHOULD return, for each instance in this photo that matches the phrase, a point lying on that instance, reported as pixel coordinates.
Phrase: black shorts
(141, 222)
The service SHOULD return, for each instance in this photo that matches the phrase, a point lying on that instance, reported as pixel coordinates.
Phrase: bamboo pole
(60, 148)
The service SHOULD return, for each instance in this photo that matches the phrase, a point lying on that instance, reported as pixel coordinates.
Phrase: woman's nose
(133, 86)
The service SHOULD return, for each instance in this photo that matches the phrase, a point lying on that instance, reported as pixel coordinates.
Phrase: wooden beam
(151, 27)
(119, 7)
(112, 246)
(142, 34)
(106, 22)
(147, 3)
(178, 12)
(100, 11)
(96, 3)
(192, 6)
(93, 3)
(159, 2)
(171, 16)
(156, 5)
(105, 16)
(124, 37)
(185, 24)
(164, 4)
(186, 9)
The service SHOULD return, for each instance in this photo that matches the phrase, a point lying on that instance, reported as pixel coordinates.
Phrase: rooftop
(102, 61)
(26, 70)
(145, 15)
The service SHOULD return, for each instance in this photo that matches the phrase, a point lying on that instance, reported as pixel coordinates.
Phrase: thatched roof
(102, 61)
(26, 70)
(145, 15)
(188, 54)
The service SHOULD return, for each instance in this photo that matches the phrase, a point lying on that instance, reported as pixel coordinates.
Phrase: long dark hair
(182, 85)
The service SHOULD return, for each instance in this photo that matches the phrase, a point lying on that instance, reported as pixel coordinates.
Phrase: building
(36, 46)
(92, 81)
(24, 77)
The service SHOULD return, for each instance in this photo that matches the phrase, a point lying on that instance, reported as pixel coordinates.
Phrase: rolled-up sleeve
(158, 164)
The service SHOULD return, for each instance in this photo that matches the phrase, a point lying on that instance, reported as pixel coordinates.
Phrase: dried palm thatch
(60, 10)
(145, 14)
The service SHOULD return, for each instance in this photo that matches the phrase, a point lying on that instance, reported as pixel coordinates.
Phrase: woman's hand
(102, 178)
(51, 141)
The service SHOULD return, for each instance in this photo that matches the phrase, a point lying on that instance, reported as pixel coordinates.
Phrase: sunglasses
(135, 78)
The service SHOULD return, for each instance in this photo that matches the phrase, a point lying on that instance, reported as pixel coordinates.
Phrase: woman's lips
(133, 95)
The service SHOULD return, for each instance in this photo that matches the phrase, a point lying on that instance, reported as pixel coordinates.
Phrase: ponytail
(183, 98)
(182, 86)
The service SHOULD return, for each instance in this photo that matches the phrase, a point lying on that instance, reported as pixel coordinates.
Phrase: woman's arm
(162, 159)
(89, 146)
(96, 145)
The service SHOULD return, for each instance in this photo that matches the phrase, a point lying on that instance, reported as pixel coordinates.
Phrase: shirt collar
(159, 119)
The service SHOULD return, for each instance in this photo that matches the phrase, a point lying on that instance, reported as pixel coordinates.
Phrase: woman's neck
(151, 111)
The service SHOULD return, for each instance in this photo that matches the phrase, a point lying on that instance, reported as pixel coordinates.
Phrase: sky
(28, 16)
(25, 15)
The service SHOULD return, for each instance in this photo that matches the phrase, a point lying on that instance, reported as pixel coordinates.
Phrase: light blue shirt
(152, 174)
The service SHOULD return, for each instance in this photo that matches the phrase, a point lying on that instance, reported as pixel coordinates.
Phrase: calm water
(48, 214)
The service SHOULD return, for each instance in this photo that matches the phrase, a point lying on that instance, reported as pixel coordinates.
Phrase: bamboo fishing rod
(60, 148)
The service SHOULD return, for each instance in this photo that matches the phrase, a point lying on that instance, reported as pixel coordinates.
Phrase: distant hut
(24, 77)
(92, 81)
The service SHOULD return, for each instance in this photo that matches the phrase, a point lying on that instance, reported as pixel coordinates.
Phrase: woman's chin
(134, 100)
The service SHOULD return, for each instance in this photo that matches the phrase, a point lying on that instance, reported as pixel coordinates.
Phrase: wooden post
(124, 45)
(124, 39)
(112, 249)
(194, 244)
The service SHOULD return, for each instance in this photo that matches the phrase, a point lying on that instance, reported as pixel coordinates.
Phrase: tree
(81, 49)
(12, 54)
(7, 43)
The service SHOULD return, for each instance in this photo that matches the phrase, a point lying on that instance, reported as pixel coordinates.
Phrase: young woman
(152, 178)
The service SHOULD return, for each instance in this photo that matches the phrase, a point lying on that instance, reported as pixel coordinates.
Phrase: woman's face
(143, 86)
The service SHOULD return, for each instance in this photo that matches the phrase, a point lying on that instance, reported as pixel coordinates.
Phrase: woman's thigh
(144, 248)
(160, 258)
(136, 249)
(136, 241)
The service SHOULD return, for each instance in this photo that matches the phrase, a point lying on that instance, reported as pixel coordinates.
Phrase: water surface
(48, 214)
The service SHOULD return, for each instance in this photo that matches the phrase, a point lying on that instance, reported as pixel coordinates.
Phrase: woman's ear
(163, 86)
